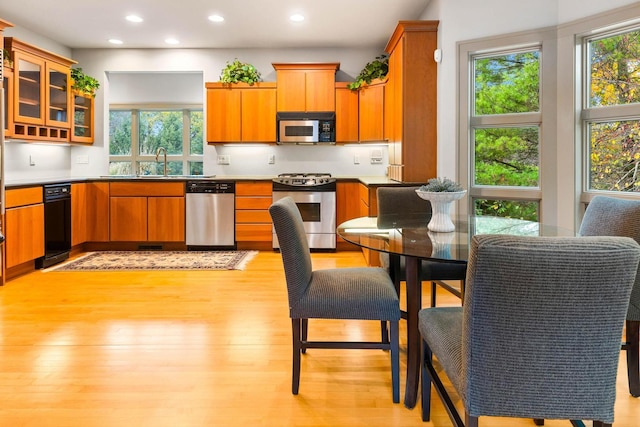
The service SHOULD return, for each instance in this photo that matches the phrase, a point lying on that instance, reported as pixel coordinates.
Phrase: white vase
(440, 209)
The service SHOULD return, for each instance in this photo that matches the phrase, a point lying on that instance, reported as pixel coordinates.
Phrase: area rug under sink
(158, 260)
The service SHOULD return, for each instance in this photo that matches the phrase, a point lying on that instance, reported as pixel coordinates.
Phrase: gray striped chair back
(607, 216)
(542, 321)
(294, 247)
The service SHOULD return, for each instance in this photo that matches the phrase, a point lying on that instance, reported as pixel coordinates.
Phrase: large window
(137, 135)
(611, 111)
(504, 131)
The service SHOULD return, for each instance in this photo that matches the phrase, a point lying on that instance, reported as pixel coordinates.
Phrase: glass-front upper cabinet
(29, 94)
(82, 129)
(58, 95)
(41, 91)
(7, 85)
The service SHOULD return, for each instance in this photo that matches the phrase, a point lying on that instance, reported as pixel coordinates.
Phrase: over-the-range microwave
(306, 128)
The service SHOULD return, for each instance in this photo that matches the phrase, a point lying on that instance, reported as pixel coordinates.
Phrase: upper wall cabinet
(410, 102)
(7, 84)
(371, 111)
(241, 112)
(346, 113)
(306, 87)
(82, 117)
(41, 92)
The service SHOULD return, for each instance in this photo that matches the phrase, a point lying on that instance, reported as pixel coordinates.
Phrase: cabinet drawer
(146, 189)
(23, 196)
(253, 188)
(254, 232)
(253, 202)
(253, 217)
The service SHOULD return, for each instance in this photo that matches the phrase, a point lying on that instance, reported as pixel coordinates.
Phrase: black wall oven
(57, 224)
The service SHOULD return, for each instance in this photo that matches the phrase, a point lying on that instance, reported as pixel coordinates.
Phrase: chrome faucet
(164, 151)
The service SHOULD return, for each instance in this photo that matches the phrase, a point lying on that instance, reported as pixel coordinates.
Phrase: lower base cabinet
(24, 225)
(146, 212)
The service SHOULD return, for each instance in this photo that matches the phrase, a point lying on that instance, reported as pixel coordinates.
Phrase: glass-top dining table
(408, 236)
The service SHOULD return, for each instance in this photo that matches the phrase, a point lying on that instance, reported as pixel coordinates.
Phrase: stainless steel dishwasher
(210, 215)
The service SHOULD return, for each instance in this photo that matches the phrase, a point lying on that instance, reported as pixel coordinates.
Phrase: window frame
(544, 194)
(598, 114)
(135, 158)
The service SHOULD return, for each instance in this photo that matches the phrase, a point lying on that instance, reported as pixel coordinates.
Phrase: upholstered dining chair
(404, 200)
(608, 216)
(365, 293)
(539, 333)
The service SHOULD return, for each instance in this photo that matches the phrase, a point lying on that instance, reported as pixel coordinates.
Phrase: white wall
(459, 20)
(132, 75)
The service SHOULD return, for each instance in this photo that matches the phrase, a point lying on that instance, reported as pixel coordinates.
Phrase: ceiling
(247, 24)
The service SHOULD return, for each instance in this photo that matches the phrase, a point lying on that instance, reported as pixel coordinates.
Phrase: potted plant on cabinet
(83, 83)
(239, 72)
(7, 58)
(376, 69)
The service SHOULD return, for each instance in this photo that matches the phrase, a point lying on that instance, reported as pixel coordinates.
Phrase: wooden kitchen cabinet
(97, 211)
(146, 211)
(369, 207)
(78, 213)
(241, 112)
(166, 219)
(41, 92)
(253, 221)
(24, 225)
(371, 111)
(346, 113)
(347, 204)
(7, 84)
(306, 87)
(82, 117)
(128, 219)
(411, 102)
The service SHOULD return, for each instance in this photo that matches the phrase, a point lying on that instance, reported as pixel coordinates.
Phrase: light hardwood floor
(192, 349)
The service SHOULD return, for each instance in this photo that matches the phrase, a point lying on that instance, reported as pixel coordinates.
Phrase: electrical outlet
(32, 161)
(272, 159)
(356, 159)
(224, 159)
(82, 159)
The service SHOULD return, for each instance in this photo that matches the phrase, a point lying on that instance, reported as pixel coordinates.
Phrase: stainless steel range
(315, 196)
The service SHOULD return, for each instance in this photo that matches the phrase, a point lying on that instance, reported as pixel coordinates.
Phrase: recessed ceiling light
(115, 41)
(296, 18)
(216, 18)
(134, 18)
(171, 40)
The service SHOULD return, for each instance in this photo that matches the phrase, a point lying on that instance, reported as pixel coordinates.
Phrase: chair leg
(470, 421)
(633, 356)
(395, 360)
(296, 325)
(385, 332)
(305, 330)
(426, 384)
(434, 287)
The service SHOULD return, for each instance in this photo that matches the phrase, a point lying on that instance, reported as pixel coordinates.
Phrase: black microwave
(306, 128)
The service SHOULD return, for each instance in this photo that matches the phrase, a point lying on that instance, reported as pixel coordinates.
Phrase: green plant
(376, 69)
(441, 185)
(236, 72)
(7, 57)
(83, 82)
